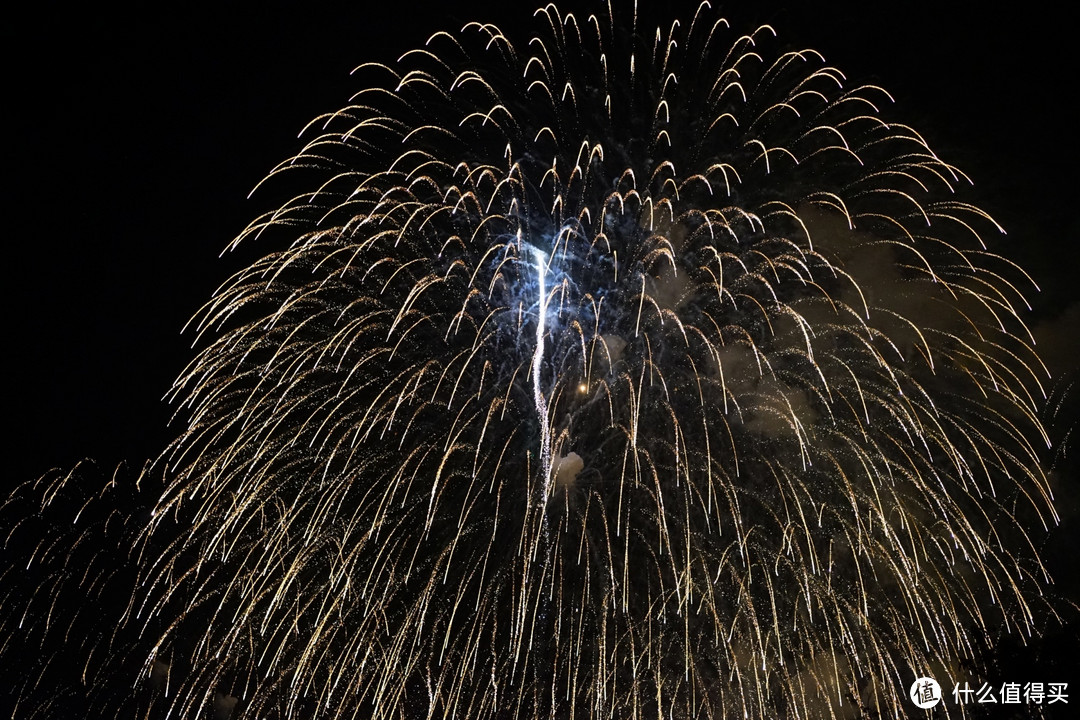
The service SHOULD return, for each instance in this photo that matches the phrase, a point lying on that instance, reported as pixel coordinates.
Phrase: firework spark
(608, 372)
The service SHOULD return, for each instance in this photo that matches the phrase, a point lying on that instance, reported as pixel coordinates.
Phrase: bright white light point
(583, 388)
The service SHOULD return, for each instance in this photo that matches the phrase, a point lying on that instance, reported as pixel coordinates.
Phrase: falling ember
(595, 373)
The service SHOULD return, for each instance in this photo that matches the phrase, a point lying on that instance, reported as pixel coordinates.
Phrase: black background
(132, 137)
(133, 140)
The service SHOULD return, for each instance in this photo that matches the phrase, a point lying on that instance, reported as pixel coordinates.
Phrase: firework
(611, 371)
(65, 568)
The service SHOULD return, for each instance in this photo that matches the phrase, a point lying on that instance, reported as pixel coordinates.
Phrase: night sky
(133, 141)
(133, 138)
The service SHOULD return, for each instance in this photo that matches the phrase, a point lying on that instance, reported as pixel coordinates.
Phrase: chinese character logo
(925, 693)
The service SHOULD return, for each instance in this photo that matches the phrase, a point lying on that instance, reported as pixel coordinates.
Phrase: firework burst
(612, 371)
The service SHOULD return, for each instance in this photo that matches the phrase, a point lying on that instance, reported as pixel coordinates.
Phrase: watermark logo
(925, 693)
